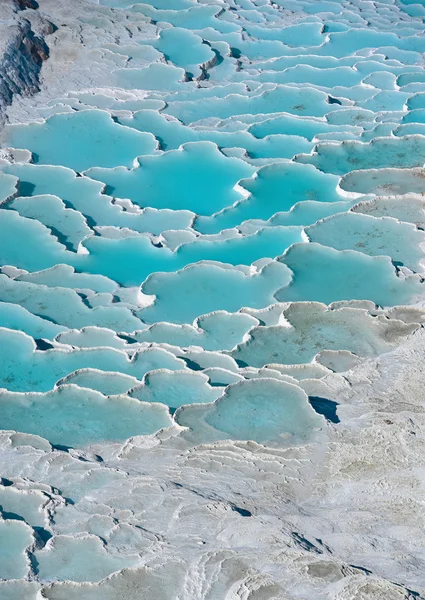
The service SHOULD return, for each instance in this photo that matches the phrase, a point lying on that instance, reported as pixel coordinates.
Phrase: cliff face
(22, 52)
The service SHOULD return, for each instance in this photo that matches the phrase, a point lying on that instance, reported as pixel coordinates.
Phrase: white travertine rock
(324, 506)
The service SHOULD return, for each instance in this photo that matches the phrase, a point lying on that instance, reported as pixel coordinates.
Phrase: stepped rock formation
(212, 300)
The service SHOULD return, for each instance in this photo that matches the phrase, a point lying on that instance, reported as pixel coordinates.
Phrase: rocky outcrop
(22, 54)
(23, 4)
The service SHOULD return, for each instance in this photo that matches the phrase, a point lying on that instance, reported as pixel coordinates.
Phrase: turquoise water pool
(191, 223)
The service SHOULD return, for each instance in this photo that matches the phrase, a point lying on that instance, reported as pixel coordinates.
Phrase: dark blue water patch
(242, 511)
(26, 188)
(62, 238)
(10, 516)
(241, 363)
(84, 299)
(412, 594)
(34, 564)
(108, 190)
(126, 338)
(61, 447)
(191, 364)
(42, 536)
(162, 145)
(325, 407)
(332, 100)
(42, 344)
(5, 482)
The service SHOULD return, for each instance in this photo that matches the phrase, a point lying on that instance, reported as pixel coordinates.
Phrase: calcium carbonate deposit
(212, 291)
